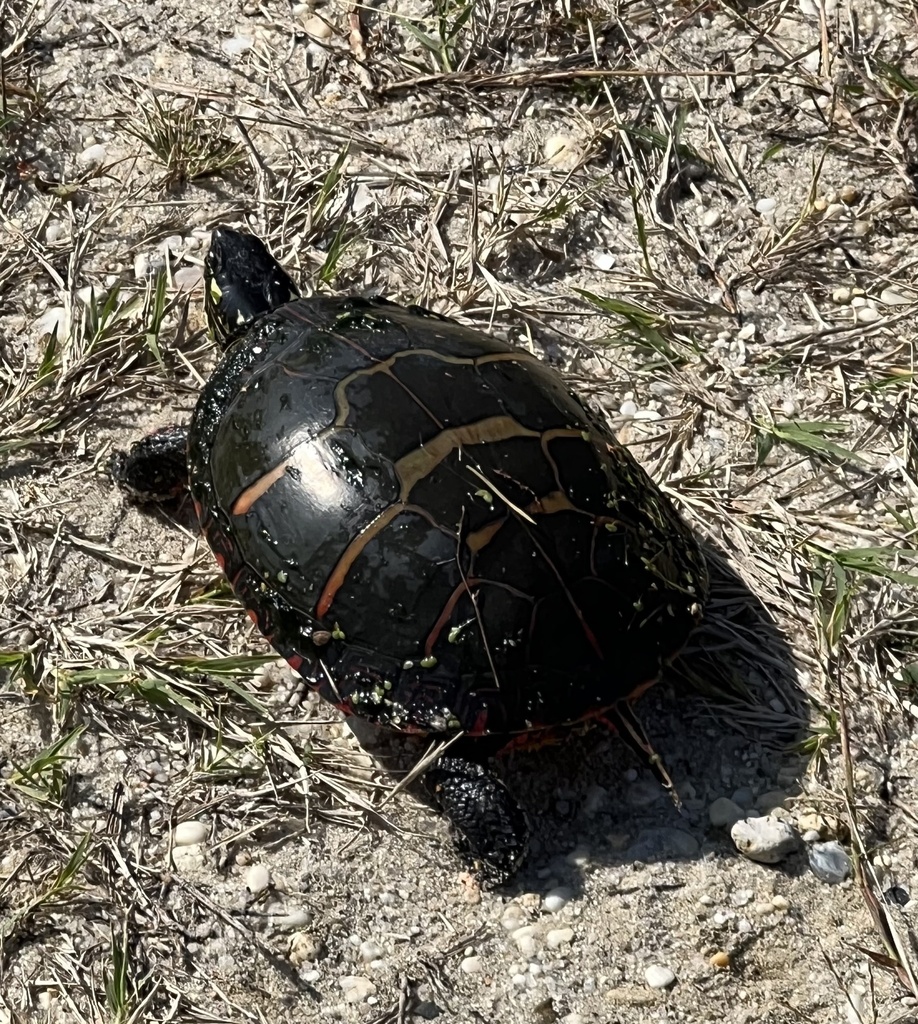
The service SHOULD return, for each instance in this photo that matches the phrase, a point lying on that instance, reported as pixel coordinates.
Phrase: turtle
(431, 528)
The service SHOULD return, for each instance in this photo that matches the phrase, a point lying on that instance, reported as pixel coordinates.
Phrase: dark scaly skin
(431, 529)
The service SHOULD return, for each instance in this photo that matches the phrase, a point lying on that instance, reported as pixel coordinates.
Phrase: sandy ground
(706, 216)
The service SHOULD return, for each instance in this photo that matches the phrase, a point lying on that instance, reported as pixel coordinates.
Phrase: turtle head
(242, 280)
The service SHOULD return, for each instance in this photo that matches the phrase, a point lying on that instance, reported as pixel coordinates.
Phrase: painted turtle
(429, 526)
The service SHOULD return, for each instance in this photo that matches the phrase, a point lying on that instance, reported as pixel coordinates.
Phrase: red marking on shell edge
(480, 728)
(220, 560)
(253, 616)
(295, 662)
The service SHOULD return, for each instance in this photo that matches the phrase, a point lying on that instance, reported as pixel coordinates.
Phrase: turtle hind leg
(621, 719)
(491, 826)
(155, 468)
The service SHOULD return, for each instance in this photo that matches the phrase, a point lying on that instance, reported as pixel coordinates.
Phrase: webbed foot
(492, 829)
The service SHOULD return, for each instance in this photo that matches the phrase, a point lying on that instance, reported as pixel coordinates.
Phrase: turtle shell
(430, 527)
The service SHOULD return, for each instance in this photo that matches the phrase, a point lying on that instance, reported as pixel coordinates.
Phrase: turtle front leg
(491, 826)
(155, 468)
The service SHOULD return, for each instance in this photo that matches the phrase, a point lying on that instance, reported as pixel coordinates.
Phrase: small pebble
(720, 960)
(317, 27)
(779, 902)
(867, 315)
(558, 937)
(663, 842)
(304, 948)
(644, 792)
(604, 261)
(189, 833)
(370, 951)
(525, 939)
(237, 45)
(579, 857)
(770, 800)
(512, 918)
(92, 156)
(628, 408)
(596, 798)
(257, 879)
(849, 195)
(556, 899)
(830, 862)
(889, 296)
(300, 917)
(659, 977)
(356, 988)
(187, 279)
(765, 840)
(470, 965)
(561, 151)
(711, 218)
(896, 896)
(766, 206)
(724, 813)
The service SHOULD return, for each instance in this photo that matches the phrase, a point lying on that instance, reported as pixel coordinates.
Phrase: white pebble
(298, 918)
(579, 857)
(54, 320)
(867, 315)
(711, 218)
(356, 988)
(92, 156)
(556, 899)
(558, 937)
(561, 151)
(317, 27)
(659, 977)
(257, 879)
(766, 840)
(54, 230)
(766, 206)
(841, 295)
(187, 279)
(370, 951)
(237, 45)
(512, 918)
(525, 939)
(470, 965)
(604, 261)
(189, 833)
(889, 296)
(628, 408)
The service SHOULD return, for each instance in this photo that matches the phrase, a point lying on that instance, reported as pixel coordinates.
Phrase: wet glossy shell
(431, 527)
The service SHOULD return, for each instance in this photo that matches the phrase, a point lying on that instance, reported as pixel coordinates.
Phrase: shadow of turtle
(724, 717)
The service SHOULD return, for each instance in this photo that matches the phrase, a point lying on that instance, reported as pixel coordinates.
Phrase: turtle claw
(622, 720)
(491, 826)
